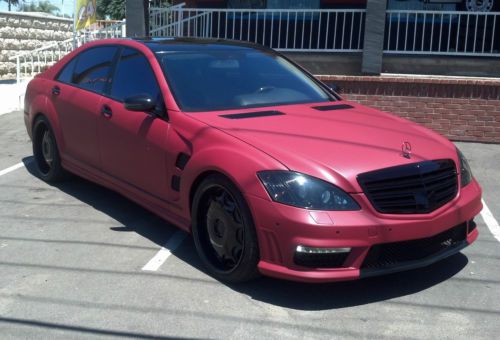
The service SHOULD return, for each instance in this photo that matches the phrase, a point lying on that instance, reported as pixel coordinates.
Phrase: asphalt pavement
(71, 259)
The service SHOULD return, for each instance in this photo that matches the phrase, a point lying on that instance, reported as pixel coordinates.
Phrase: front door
(133, 144)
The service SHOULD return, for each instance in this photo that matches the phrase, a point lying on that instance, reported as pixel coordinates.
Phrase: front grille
(333, 260)
(416, 188)
(397, 253)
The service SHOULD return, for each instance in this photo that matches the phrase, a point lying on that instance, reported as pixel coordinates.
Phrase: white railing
(339, 30)
(442, 33)
(32, 62)
(114, 30)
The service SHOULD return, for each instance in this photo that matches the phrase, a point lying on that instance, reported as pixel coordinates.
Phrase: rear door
(133, 144)
(76, 95)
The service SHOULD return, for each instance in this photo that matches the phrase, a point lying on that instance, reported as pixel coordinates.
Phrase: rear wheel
(223, 231)
(45, 152)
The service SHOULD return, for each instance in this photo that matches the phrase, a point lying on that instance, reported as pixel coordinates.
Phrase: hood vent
(252, 114)
(333, 107)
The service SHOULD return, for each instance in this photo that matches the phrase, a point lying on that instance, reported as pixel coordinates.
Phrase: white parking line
(12, 168)
(490, 221)
(173, 243)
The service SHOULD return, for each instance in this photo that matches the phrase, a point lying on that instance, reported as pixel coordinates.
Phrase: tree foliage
(42, 6)
(114, 8)
(11, 2)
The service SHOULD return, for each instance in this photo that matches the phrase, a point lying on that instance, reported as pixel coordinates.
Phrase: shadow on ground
(287, 294)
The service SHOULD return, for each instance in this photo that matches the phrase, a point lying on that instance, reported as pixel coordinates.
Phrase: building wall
(259, 3)
(461, 109)
(26, 31)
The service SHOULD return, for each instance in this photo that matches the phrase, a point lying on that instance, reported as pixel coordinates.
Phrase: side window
(133, 76)
(93, 68)
(67, 72)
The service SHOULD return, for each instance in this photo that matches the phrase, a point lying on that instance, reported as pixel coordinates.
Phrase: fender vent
(176, 183)
(182, 160)
(252, 114)
(333, 107)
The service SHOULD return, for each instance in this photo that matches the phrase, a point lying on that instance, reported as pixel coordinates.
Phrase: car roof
(196, 44)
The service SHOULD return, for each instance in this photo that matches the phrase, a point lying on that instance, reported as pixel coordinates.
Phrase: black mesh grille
(392, 254)
(416, 188)
(333, 260)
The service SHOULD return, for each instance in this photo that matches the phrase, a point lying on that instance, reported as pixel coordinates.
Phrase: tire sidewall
(55, 172)
(247, 267)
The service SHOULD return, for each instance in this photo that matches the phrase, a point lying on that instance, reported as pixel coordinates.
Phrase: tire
(484, 6)
(46, 153)
(224, 232)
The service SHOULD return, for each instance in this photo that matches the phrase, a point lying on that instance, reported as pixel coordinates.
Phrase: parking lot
(72, 258)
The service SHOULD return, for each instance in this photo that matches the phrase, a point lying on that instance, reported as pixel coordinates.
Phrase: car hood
(335, 145)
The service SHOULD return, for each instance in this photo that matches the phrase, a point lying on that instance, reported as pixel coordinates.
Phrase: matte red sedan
(268, 169)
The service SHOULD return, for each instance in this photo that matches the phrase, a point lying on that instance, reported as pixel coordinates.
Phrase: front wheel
(223, 231)
(45, 152)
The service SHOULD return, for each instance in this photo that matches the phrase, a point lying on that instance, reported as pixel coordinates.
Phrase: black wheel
(223, 231)
(45, 152)
(478, 5)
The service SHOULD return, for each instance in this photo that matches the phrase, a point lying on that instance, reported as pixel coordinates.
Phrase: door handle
(56, 90)
(106, 111)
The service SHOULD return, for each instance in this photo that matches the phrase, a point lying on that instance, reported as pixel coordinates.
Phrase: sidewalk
(12, 95)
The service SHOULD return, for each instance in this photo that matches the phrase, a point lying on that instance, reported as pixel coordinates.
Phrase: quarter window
(134, 76)
(93, 68)
(66, 74)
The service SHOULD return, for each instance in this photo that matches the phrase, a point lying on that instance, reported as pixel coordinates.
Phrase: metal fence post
(180, 24)
(124, 28)
(18, 70)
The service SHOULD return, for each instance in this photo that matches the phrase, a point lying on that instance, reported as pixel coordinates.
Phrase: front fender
(237, 161)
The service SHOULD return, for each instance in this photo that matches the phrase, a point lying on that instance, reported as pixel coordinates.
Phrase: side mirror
(141, 102)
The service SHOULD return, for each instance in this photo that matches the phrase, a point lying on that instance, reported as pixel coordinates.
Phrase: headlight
(303, 191)
(465, 171)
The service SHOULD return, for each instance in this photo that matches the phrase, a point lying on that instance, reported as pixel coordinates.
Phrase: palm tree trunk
(9, 5)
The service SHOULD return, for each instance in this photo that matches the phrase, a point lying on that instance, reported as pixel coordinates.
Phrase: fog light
(316, 250)
(315, 257)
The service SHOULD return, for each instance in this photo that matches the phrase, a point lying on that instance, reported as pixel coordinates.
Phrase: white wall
(26, 31)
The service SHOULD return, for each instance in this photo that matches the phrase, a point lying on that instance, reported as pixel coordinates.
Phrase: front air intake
(399, 253)
(252, 114)
(333, 107)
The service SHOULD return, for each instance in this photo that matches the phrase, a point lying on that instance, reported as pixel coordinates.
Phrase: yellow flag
(85, 13)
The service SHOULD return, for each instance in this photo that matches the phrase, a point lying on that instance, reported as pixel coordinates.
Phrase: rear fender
(41, 105)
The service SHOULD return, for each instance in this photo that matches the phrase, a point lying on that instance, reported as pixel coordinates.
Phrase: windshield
(209, 80)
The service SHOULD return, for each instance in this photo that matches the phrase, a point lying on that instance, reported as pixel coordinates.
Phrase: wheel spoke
(225, 229)
(47, 148)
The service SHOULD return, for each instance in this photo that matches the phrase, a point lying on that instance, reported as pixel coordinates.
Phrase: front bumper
(282, 228)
